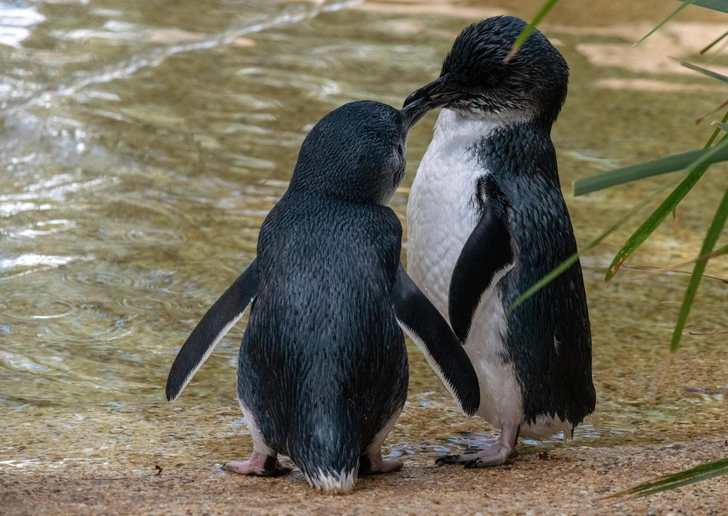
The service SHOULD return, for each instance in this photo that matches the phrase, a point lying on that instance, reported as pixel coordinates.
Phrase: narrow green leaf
(668, 205)
(702, 70)
(663, 22)
(551, 276)
(711, 238)
(707, 157)
(654, 220)
(715, 42)
(721, 125)
(571, 259)
(523, 36)
(675, 480)
(716, 5)
(645, 170)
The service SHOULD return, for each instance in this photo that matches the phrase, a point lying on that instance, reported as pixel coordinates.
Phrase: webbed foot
(259, 465)
(494, 454)
(378, 465)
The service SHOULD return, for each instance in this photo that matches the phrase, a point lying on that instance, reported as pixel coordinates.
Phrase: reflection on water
(143, 144)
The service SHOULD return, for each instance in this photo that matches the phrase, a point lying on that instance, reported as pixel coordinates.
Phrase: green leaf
(711, 238)
(714, 43)
(716, 5)
(523, 36)
(663, 22)
(698, 161)
(675, 480)
(551, 276)
(702, 70)
(708, 156)
(654, 220)
(668, 205)
(645, 170)
(571, 259)
(721, 125)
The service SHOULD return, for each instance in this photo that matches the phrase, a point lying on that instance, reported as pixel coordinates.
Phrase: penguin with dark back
(322, 370)
(487, 219)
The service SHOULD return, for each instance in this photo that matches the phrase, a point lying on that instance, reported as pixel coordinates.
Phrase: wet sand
(107, 460)
(571, 480)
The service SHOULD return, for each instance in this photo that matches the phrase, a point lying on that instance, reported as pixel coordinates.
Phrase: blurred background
(142, 143)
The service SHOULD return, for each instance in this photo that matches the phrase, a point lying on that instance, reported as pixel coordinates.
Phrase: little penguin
(487, 219)
(322, 370)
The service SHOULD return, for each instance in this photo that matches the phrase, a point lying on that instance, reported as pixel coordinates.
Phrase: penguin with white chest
(322, 370)
(487, 219)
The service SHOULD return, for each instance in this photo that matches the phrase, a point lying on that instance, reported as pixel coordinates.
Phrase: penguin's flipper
(433, 336)
(484, 259)
(211, 329)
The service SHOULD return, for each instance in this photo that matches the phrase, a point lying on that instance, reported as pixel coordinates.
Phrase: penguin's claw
(491, 456)
(449, 459)
(494, 455)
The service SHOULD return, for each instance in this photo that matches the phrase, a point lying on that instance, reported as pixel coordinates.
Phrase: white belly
(441, 214)
(439, 221)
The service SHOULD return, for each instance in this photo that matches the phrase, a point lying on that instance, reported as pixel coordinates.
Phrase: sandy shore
(569, 480)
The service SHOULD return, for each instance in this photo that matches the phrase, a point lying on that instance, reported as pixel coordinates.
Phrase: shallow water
(143, 143)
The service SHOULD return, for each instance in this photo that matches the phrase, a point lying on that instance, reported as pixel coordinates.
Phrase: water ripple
(32, 260)
(155, 56)
(15, 23)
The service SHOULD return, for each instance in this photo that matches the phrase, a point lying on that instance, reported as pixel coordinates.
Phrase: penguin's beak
(414, 111)
(436, 94)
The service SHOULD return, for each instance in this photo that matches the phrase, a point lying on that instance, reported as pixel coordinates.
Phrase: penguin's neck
(454, 128)
(507, 146)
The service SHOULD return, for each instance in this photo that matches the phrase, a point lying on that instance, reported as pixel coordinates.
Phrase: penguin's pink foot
(495, 453)
(258, 465)
(378, 465)
(388, 466)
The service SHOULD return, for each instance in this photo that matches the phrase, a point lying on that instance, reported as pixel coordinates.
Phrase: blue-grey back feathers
(322, 369)
(549, 337)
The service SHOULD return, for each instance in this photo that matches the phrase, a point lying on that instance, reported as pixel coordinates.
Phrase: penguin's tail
(329, 458)
(340, 482)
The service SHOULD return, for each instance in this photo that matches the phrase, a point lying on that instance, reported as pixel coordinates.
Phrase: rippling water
(143, 143)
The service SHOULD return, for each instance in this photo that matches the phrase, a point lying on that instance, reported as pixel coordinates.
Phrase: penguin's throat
(490, 111)
(453, 125)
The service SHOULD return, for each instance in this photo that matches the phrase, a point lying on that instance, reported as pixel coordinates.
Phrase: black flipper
(211, 329)
(484, 259)
(431, 333)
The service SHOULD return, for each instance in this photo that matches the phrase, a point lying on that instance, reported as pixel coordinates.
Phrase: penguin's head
(356, 152)
(478, 80)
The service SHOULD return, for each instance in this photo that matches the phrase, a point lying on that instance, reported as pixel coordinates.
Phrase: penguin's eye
(400, 149)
